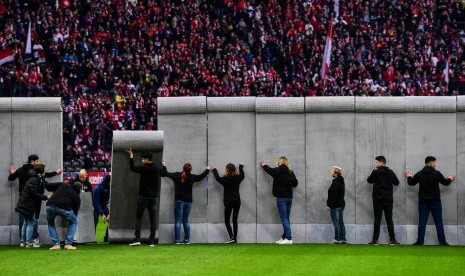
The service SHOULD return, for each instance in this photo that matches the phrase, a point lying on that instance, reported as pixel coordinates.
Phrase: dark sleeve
(395, 180)
(412, 181)
(269, 170)
(88, 186)
(241, 173)
(372, 178)
(444, 181)
(217, 177)
(96, 196)
(294, 181)
(77, 204)
(197, 178)
(15, 175)
(50, 174)
(35, 191)
(52, 187)
(164, 172)
(133, 168)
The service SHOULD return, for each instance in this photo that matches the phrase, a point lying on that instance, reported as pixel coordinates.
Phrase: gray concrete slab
(329, 142)
(460, 181)
(379, 134)
(184, 123)
(432, 134)
(7, 205)
(231, 139)
(125, 183)
(85, 232)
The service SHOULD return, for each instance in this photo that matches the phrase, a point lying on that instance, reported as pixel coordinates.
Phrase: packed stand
(110, 59)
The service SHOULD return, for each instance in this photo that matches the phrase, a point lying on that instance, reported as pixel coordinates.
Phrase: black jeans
(234, 208)
(151, 205)
(378, 208)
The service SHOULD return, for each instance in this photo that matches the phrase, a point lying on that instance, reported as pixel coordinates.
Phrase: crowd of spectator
(109, 60)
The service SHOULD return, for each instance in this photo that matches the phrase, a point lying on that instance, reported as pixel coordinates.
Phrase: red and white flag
(446, 70)
(6, 55)
(327, 54)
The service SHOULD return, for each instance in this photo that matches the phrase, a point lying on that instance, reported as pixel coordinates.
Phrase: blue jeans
(337, 216)
(181, 214)
(69, 216)
(424, 208)
(284, 209)
(28, 229)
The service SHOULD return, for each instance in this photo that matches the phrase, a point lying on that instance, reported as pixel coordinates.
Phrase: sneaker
(178, 242)
(335, 241)
(373, 242)
(36, 242)
(135, 242)
(29, 245)
(231, 240)
(279, 241)
(286, 241)
(55, 247)
(394, 242)
(342, 241)
(22, 244)
(151, 243)
(70, 247)
(418, 243)
(186, 241)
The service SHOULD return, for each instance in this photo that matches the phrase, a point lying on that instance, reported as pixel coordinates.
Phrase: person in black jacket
(147, 198)
(429, 198)
(283, 181)
(29, 201)
(23, 175)
(383, 180)
(336, 204)
(83, 177)
(64, 202)
(231, 197)
(183, 183)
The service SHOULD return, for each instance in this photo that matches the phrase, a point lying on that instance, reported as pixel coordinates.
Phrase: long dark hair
(186, 169)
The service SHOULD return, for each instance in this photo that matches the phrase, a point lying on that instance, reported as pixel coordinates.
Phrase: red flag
(327, 54)
(6, 55)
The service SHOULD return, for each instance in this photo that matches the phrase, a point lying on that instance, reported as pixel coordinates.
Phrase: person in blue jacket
(101, 195)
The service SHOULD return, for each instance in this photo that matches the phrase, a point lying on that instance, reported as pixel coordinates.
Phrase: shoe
(286, 241)
(151, 243)
(36, 242)
(29, 245)
(70, 247)
(335, 241)
(278, 241)
(55, 247)
(418, 243)
(22, 244)
(135, 242)
(444, 244)
(373, 242)
(342, 241)
(394, 242)
(231, 240)
(178, 242)
(186, 241)
(105, 239)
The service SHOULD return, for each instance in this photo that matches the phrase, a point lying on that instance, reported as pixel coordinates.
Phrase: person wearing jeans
(65, 203)
(183, 183)
(429, 198)
(336, 204)
(283, 181)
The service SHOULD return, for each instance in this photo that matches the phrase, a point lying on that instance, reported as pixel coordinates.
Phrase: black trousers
(378, 208)
(151, 205)
(234, 209)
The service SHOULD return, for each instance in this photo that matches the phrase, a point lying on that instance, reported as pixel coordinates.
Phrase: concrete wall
(315, 134)
(28, 126)
(125, 183)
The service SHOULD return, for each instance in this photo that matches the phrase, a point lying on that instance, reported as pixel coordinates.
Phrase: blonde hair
(283, 161)
(337, 170)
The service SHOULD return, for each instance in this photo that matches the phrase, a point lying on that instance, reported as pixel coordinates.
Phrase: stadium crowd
(109, 60)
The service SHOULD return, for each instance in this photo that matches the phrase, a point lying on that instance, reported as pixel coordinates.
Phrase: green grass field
(235, 259)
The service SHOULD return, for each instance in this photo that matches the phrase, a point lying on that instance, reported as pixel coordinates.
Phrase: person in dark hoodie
(283, 181)
(23, 175)
(101, 195)
(147, 198)
(429, 198)
(383, 180)
(336, 204)
(65, 203)
(231, 197)
(29, 202)
(183, 183)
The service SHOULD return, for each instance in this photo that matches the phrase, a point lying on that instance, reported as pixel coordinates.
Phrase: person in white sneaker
(284, 181)
(231, 197)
